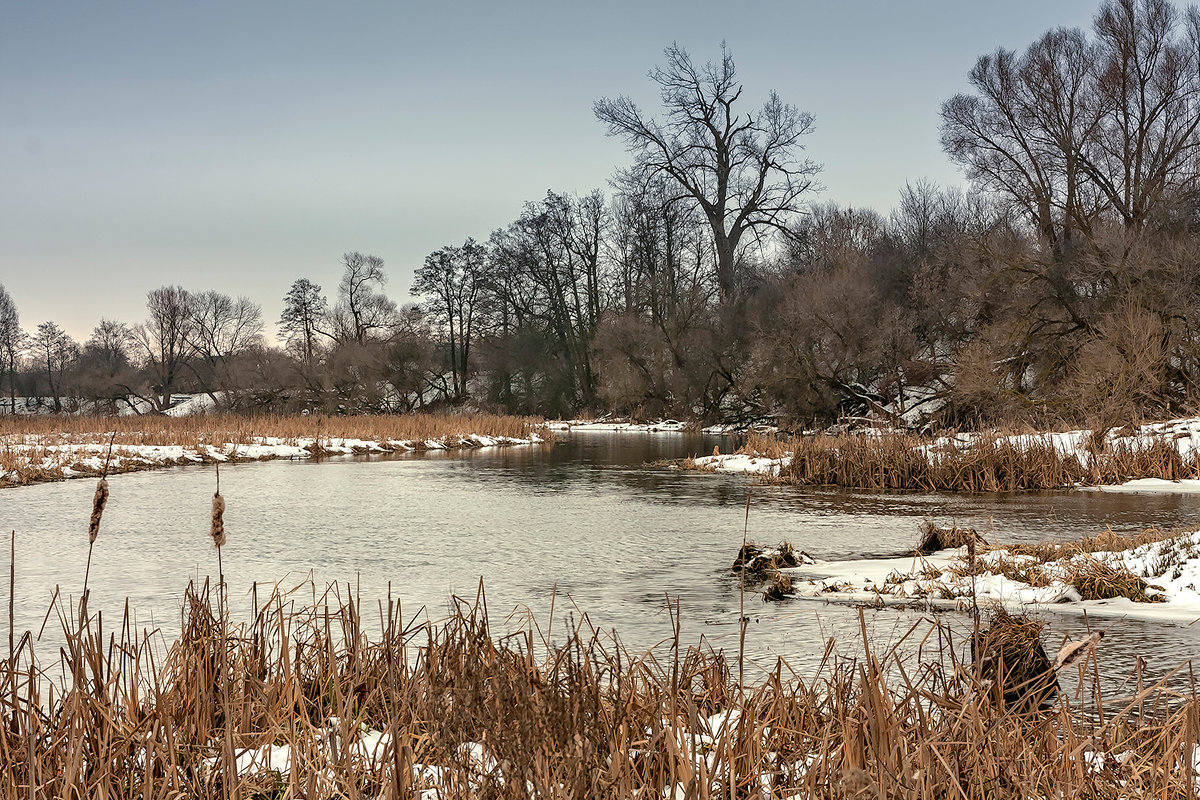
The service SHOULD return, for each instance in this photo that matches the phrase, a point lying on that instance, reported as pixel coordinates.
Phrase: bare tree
(12, 340)
(109, 346)
(1148, 88)
(164, 340)
(454, 279)
(55, 352)
(222, 330)
(742, 169)
(362, 309)
(1023, 131)
(1077, 129)
(105, 365)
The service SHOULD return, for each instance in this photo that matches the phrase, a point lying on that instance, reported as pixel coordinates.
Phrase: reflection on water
(585, 520)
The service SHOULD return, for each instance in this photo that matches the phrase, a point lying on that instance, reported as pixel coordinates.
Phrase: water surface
(585, 522)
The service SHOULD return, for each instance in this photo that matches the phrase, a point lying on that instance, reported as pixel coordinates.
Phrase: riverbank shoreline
(37, 450)
(1154, 577)
(1155, 457)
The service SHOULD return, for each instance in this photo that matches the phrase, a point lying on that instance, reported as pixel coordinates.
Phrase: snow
(1171, 568)
(741, 463)
(40, 461)
(606, 425)
(1149, 485)
(1184, 434)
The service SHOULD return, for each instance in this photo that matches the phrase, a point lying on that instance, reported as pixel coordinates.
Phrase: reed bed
(309, 699)
(161, 430)
(34, 449)
(896, 461)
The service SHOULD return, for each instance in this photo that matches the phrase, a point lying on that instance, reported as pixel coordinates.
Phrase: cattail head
(99, 501)
(218, 520)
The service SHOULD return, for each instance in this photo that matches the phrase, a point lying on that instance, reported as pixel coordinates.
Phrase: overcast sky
(240, 145)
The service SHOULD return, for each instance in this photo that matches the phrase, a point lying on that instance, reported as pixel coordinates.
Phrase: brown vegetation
(934, 538)
(579, 720)
(244, 429)
(897, 461)
(30, 447)
(1009, 655)
(1074, 563)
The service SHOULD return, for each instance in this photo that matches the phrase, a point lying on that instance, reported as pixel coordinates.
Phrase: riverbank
(1154, 575)
(37, 449)
(1161, 456)
(304, 702)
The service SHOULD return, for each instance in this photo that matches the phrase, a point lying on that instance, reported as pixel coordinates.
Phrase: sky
(238, 146)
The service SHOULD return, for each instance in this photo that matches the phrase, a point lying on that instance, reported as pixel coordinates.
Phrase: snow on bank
(1183, 435)
(740, 463)
(605, 425)
(1169, 568)
(1149, 486)
(35, 461)
(622, 425)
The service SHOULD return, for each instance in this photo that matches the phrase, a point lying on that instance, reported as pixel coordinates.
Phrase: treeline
(1063, 286)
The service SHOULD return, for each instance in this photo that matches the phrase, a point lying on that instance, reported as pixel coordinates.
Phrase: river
(584, 522)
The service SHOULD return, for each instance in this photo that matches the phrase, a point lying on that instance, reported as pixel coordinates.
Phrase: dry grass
(1010, 656)
(1106, 542)
(1096, 580)
(583, 719)
(246, 429)
(759, 561)
(934, 538)
(34, 449)
(764, 446)
(895, 461)
(1072, 563)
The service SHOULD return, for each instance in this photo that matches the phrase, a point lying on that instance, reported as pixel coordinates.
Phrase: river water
(584, 524)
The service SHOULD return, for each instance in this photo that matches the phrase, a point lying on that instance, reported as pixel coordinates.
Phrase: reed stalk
(421, 704)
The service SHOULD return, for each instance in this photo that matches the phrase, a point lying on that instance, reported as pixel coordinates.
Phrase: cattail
(99, 501)
(218, 520)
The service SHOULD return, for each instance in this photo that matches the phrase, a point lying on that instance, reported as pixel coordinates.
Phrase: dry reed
(934, 538)
(897, 461)
(34, 449)
(344, 713)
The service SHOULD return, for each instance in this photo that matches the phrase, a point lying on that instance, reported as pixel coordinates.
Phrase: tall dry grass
(34, 449)
(245, 429)
(988, 463)
(514, 716)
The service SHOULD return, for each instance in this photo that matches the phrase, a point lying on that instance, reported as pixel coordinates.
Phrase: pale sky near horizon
(238, 146)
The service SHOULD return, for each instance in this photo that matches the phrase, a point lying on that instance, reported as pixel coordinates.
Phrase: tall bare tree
(12, 340)
(1145, 150)
(1077, 129)
(55, 351)
(223, 329)
(454, 278)
(743, 169)
(164, 340)
(362, 311)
